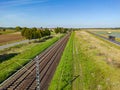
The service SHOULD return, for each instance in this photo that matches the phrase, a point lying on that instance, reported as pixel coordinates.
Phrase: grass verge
(93, 62)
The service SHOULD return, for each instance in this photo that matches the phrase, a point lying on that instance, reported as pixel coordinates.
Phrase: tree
(27, 34)
(23, 31)
(65, 30)
(39, 35)
(57, 30)
(47, 32)
(4, 29)
(34, 33)
(60, 30)
(18, 28)
(42, 33)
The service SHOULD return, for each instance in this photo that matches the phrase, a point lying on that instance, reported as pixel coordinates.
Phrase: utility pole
(37, 73)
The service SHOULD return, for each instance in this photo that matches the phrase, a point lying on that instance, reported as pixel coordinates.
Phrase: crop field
(107, 33)
(88, 63)
(16, 57)
(7, 31)
(11, 37)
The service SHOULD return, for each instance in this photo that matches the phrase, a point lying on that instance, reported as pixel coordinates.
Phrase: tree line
(34, 33)
(60, 30)
(37, 33)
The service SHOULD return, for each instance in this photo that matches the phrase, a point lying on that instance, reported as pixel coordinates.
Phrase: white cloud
(11, 3)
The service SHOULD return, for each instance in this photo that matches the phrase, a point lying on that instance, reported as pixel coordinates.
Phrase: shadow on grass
(5, 57)
(69, 82)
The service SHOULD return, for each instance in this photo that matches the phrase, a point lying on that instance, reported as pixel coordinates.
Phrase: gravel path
(13, 44)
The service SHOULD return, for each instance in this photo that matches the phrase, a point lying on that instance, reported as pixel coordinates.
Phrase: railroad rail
(25, 79)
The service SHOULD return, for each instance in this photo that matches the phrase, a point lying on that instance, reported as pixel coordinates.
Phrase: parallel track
(25, 79)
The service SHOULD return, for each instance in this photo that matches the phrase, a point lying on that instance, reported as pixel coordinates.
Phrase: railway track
(25, 79)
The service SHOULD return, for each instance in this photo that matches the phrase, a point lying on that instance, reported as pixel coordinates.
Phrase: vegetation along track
(25, 79)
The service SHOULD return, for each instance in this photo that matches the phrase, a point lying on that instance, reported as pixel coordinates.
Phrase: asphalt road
(116, 42)
(14, 44)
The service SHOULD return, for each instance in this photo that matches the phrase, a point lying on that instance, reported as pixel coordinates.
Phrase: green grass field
(20, 55)
(7, 31)
(95, 62)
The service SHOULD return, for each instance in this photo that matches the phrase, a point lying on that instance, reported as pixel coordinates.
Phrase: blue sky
(62, 13)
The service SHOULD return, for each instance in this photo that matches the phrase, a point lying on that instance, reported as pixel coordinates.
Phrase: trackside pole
(37, 73)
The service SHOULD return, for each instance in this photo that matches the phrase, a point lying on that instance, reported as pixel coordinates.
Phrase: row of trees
(60, 30)
(34, 33)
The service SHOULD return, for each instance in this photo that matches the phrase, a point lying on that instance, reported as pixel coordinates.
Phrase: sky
(60, 13)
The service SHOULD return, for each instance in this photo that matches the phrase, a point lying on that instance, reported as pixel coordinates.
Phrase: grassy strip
(10, 66)
(64, 72)
(90, 74)
(95, 73)
(7, 31)
(118, 39)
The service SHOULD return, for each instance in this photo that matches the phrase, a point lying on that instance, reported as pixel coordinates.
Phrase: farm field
(107, 33)
(7, 31)
(88, 63)
(10, 38)
(18, 56)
